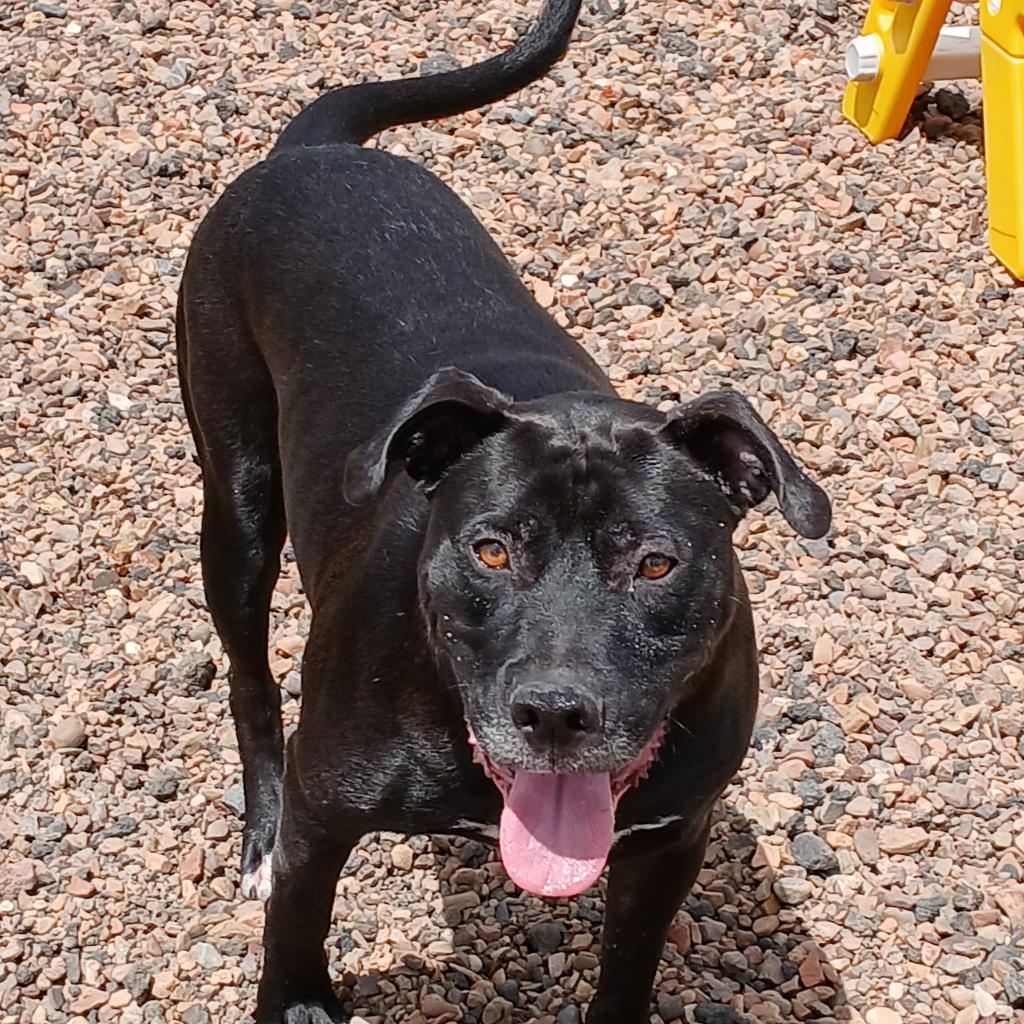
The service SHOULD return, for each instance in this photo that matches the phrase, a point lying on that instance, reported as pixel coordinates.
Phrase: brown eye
(492, 553)
(656, 567)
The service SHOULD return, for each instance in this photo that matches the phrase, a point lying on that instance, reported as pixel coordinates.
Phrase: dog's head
(577, 570)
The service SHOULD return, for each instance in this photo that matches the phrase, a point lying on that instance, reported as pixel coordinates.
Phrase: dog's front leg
(644, 893)
(295, 987)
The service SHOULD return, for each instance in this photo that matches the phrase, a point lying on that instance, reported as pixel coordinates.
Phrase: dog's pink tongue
(557, 831)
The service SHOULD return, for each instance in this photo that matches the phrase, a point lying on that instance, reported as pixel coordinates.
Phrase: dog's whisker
(675, 721)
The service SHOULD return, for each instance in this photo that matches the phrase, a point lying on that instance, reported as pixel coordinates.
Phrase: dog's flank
(354, 113)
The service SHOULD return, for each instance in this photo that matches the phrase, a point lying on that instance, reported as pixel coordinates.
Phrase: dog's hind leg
(233, 414)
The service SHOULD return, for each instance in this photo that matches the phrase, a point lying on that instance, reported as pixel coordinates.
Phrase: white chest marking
(488, 831)
(491, 831)
(648, 826)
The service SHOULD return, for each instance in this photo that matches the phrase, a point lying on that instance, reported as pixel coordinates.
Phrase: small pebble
(69, 734)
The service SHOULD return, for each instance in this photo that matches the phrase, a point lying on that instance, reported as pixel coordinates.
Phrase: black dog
(526, 608)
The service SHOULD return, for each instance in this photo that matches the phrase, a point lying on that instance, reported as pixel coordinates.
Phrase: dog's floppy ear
(723, 433)
(447, 417)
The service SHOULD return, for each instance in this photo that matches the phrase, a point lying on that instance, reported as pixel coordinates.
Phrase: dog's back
(332, 278)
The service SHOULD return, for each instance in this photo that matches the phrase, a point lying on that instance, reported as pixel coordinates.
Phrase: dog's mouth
(556, 829)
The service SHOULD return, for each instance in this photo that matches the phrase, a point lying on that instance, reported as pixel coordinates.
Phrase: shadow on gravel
(945, 113)
(733, 955)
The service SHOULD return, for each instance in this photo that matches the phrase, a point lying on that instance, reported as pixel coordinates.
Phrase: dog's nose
(554, 719)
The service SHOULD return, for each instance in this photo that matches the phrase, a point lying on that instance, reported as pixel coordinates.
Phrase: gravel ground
(683, 195)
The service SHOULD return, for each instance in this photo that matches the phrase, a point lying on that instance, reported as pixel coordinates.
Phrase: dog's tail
(354, 113)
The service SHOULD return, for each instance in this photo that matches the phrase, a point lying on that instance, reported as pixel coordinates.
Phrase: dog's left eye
(492, 553)
(655, 566)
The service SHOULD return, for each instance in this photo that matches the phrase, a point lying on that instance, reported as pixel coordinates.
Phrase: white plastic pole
(957, 54)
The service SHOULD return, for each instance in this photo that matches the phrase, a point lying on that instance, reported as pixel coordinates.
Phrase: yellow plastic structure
(1002, 76)
(895, 54)
(907, 32)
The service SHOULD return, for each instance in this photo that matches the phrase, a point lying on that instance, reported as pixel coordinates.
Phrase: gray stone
(154, 19)
(792, 891)
(840, 263)
(509, 990)
(207, 956)
(771, 969)
(497, 1011)
(195, 673)
(538, 145)
(735, 962)
(103, 109)
(810, 791)
(844, 345)
(438, 64)
(138, 981)
(832, 808)
(545, 936)
(177, 75)
(814, 854)
(638, 294)
(670, 1007)
(1013, 986)
(235, 799)
(952, 103)
(806, 711)
(827, 743)
(162, 786)
(929, 908)
(714, 1013)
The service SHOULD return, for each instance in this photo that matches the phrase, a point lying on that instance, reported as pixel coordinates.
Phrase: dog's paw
(258, 883)
(323, 1010)
(314, 1012)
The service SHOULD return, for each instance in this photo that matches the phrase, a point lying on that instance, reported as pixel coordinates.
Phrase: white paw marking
(491, 831)
(487, 831)
(258, 883)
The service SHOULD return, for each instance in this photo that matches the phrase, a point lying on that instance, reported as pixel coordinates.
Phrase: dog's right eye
(492, 553)
(656, 566)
